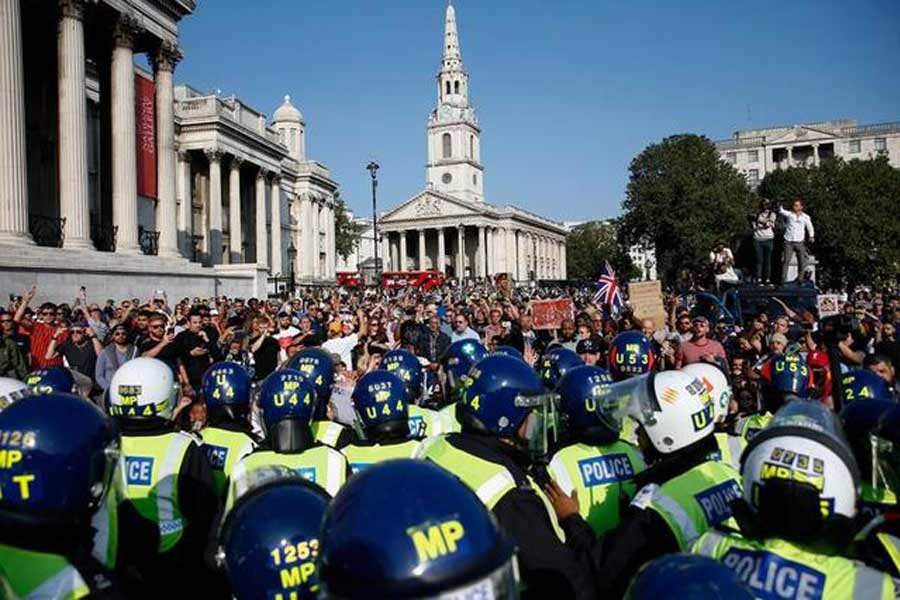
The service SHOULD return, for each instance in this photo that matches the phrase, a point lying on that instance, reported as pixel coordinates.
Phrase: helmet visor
(634, 398)
(542, 424)
(502, 584)
(885, 464)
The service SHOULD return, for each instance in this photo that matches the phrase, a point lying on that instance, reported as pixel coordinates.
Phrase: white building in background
(449, 226)
(234, 198)
(643, 255)
(755, 152)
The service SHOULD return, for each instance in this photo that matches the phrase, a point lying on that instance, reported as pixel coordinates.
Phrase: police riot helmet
(784, 377)
(405, 365)
(12, 390)
(630, 355)
(717, 384)
(143, 388)
(226, 389)
(59, 463)
(316, 365)
(461, 356)
(382, 409)
(508, 351)
(51, 379)
(687, 577)
(862, 384)
(286, 400)
(500, 394)
(585, 412)
(801, 481)
(860, 419)
(269, 540)
(555, 363)
(441, 541)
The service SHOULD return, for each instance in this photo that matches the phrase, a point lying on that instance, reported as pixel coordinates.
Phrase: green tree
(683, 198)
(589, 245)
(853, 206)
(346, 231)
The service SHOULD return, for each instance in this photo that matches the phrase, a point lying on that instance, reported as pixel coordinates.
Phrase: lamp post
(373, 171)
(292, 254)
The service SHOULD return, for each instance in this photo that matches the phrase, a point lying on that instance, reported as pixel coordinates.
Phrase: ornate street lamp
(292, 254)
(373, 171)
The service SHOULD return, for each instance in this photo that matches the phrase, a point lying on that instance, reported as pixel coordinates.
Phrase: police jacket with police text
(549, 569)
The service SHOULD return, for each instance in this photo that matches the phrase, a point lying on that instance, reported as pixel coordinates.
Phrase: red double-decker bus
(426, 280)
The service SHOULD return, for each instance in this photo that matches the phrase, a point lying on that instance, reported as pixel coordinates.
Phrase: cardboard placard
(549, 314)
(646, 299)
(828, 304)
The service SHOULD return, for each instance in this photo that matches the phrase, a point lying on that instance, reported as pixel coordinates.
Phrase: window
(456, 86)
(753, 156)
(471, 146)
(447, 143)
(474, 178)
(731, 157)
(447, 86)
(880, 144)
(447, 178)
(853, 147)
(753, 177)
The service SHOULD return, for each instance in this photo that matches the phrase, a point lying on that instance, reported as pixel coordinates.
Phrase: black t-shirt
(80, 358)
(168, 354)
(195, 366)
(265, 357)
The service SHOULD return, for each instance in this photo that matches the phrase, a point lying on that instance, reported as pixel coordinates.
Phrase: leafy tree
(346, 231)
(853, 206)
(684, 198)
(589, 245)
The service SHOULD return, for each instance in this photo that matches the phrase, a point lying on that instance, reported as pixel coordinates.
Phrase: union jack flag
(608, 290)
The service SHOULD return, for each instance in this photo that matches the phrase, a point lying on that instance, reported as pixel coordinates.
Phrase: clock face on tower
(447, 178)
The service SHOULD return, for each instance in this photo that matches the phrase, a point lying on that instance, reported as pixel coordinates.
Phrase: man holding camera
(763, 241)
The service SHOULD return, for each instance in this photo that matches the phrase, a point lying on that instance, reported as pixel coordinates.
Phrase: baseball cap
(589, 345)
(334, 327)
(700, 319)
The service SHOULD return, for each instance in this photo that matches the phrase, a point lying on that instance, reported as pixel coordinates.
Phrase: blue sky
(567, 92)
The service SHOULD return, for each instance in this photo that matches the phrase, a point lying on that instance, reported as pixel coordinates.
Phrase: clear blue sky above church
(567, 92)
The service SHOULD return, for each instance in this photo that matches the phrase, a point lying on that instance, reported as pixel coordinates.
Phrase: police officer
(317, 365)
(170, 500)
(459, 358)
(269, 539)
(799, 503)
(229, 437)
(556, 363)
(51, 379)
(686, 577)
(593, 461)
(861, 384)
(505, 412)
(730, 445)
(440, 541)
(405, 365)
(286, 401)
(783, 377)
(59, 474)
(681, 494)
(12, 390)
(382, 421)
(860, 420)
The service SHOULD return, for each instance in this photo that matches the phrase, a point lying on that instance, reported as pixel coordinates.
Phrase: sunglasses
(6, 320)
(154, 326)
(76, 331)
(119, 333)
(48, 313)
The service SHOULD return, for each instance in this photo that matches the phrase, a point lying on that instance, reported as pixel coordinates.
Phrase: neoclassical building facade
(115, 178)
(449, 226)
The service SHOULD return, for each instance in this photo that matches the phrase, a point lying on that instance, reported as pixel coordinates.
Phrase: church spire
(451, 38)
(453, 82)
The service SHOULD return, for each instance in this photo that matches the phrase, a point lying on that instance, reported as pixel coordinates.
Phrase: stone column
(332, 265)
(124, 149)
(816, 154)
(461, 251)
(164, 61)
(395, 261)
(403, 254)
(262, 240)
(13, 168)
(441, 264)
(790, 150)
(562, 261)
(317, 239)
(421, 263)
(488, 250)
(73, 170)
(275, 225)
(215, 206)
(185, 209)
(385, 251)
(479, 253)
(236, 234)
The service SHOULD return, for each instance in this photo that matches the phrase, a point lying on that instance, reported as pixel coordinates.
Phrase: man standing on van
(797, 225)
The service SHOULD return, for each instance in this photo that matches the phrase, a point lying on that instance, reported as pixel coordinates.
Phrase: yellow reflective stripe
(892, 546)
(560, 474)
(664, 503)
(335, 472)
(489, 491)
(868, 583)
(65, 584)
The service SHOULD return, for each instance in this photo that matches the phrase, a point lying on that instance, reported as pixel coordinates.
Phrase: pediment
(428, 205)
(800, 134)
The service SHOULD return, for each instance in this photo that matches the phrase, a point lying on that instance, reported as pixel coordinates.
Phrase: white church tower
(454, 147)
(291, 128)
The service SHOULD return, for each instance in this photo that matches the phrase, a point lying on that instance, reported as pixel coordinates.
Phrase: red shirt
(41, 334)
(690, 352)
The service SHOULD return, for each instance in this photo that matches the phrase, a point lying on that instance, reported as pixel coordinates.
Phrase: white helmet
(143, 387)
(802, 453)
(12, 390)
(716, 382)
(674, 408)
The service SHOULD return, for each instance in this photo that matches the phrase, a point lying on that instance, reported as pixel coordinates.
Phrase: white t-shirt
(290, 332)
(342, 346)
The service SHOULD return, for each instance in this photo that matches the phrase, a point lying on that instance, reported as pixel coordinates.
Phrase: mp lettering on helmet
(139, 470)
(216, 456)
(716, 501)
(772, 577)
(600, 470)
(297, 564)
(432, 540)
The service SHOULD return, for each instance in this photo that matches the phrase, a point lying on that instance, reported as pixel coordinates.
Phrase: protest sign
(549, 314)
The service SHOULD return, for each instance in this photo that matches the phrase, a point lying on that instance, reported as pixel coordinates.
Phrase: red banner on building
(145, 133)
(549, 314)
